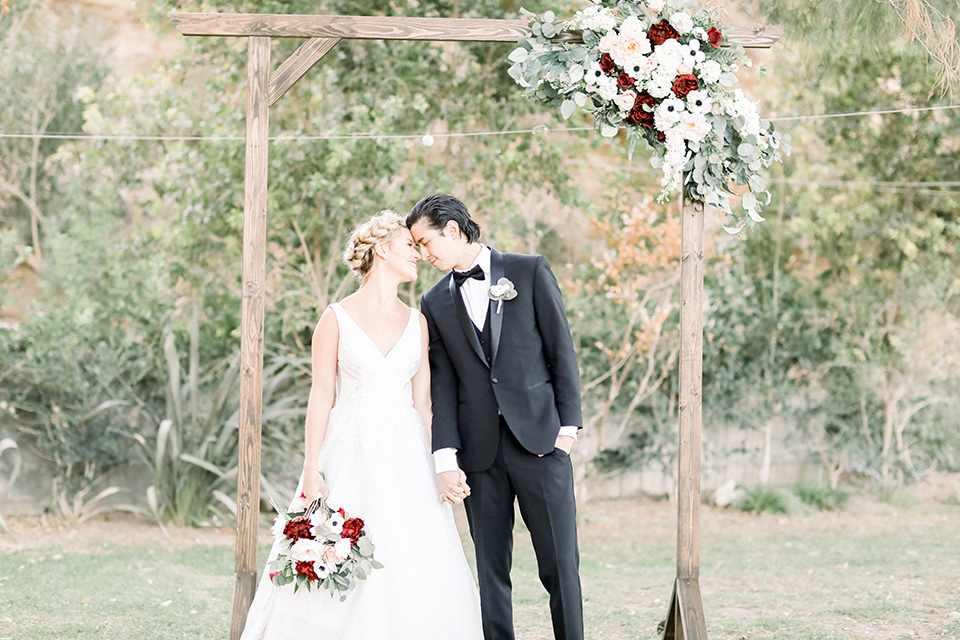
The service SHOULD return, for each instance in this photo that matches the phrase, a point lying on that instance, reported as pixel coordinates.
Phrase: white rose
(682, 22)
(710, 71)
(278, 526)
(305, 550)
(608, 42)
(670, 54)
(656, 5)
(342, 548)
(625, 100)
(694, 126)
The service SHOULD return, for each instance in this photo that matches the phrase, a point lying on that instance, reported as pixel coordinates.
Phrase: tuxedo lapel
(496, 319)
(469, 332)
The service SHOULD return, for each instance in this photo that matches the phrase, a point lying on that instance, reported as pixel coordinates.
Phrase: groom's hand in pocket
(453, 486)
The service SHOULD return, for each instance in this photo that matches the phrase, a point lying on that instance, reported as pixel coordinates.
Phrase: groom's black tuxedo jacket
(531, 378)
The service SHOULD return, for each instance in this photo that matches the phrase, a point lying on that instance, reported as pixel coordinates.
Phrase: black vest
(485, 335)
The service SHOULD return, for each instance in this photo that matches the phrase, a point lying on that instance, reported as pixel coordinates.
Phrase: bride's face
(400, 255)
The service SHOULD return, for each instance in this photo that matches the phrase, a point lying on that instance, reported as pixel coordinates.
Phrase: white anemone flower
(641, 69)
(668, 113)
(692, 53)
(699, 101)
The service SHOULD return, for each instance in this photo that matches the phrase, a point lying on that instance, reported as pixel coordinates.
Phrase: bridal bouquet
(664, 74)
(321, 547)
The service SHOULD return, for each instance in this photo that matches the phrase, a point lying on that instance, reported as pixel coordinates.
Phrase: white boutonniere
(501, 291)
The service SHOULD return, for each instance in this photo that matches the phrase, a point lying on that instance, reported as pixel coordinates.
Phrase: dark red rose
(639, 115)
(607, 64)
(661, 32)
(298, 528)
(625, 82)
(684, 85)
(306, 569)
(715, 36)
(352, 529)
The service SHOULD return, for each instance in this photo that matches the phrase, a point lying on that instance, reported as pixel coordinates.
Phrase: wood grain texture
(691, 387)
(251, 327)
(299, 62)
(685, 619)
(386, 28)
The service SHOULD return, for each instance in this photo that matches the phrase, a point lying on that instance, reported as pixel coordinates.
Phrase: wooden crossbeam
(385, 28)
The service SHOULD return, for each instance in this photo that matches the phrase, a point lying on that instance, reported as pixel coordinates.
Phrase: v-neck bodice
(366, 377)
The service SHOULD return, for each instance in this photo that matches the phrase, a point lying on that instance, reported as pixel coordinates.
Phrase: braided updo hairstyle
(359, 251)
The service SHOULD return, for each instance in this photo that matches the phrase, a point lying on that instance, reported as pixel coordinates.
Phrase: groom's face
(439, 247)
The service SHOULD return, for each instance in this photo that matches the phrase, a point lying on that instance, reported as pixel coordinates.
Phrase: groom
(506, 408)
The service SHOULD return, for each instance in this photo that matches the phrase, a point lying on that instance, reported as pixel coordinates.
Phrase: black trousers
(543, 487)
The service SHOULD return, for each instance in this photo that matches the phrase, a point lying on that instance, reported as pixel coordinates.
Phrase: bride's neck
(379, 291)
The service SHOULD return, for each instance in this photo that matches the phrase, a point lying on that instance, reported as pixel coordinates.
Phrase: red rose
(639, 115)
(298, 528)
(607, 64)
(306, 569)
(625, 82)
(352, 529)
(684, 85)
(661, 136)
(661, 32)
(715, 36)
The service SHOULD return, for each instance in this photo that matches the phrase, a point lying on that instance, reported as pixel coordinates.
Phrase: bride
(370, 453)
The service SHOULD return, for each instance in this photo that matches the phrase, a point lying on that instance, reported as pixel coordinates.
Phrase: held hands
(453, 486)
(314, 485)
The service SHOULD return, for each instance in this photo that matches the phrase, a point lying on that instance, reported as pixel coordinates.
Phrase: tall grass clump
(766, 499)
(821, 496)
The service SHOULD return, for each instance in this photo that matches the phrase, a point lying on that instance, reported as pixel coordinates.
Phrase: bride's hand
(314, 485)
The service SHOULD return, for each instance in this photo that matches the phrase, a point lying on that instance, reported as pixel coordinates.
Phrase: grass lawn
(872, 571)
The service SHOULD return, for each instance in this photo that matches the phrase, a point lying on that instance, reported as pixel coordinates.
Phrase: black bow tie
(462, 276)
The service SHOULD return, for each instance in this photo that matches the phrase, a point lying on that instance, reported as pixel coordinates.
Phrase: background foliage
(834, 326)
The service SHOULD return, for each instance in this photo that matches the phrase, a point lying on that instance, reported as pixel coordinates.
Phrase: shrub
(767, 499)
(821, 496)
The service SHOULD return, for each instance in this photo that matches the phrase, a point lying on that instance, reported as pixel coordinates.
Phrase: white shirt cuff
(445, 460)
(569, 431)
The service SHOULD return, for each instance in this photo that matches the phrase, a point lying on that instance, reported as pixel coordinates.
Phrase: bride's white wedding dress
(377, 464)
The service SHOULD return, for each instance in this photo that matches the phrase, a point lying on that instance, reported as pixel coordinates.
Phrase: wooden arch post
(264, 89)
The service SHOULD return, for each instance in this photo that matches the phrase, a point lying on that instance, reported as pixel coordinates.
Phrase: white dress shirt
(474, 292)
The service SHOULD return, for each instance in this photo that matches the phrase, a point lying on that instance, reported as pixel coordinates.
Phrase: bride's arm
(421, 381)
(322, 392)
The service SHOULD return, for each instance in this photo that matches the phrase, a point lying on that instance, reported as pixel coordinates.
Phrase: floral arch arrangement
(659, 71)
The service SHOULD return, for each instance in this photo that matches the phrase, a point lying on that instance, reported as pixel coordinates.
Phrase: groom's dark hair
(439, 209)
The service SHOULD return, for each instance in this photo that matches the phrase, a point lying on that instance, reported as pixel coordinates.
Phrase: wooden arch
(264, 88)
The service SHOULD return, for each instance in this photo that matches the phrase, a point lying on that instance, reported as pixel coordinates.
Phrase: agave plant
(193, 454)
